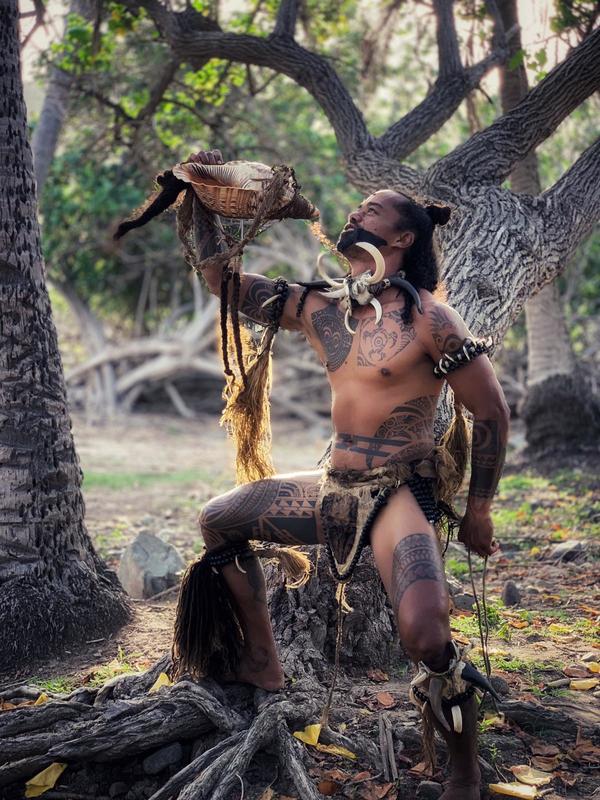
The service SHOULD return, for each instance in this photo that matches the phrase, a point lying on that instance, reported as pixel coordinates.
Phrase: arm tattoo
(416, 558)
(380, 343)
(259, 290)
(444, 331)
(487, 459)
(336, 340)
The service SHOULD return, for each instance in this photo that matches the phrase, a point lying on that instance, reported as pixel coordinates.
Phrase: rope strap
(228, 553)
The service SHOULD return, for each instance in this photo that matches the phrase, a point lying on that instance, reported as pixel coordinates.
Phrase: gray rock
(163, 758)
(454, 585)
(593, 655)
(149, 566)
(428, 790)
(571, 550)
(117, 788)
(464, 601)
(511, 595)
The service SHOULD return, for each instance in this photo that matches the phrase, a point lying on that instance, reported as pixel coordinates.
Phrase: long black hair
(420, 261)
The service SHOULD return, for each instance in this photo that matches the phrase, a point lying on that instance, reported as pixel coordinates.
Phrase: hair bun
(439, 215)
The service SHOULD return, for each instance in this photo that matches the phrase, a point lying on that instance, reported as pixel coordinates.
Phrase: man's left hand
(477, 532)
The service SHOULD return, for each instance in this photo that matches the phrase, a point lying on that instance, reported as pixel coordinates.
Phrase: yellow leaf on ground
(593, 666)
(335, 750)
(44, 780)
(535, 551)
(518, 623)
(162, 680)
(513, 790)
(43, 698)
(310, 734)
(558, 629)
(584, 685)
(530, 776)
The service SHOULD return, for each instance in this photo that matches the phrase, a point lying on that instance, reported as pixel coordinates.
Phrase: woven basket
(234, 189)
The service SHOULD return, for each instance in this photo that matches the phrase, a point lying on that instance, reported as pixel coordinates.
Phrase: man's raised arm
(476, 386)
(254, 289)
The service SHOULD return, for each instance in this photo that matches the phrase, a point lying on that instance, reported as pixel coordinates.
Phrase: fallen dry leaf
(338, 775)
(518, 623)
(584, 685)
(513, 790)
(44, 780)
(585, 750)
(594, 666)
(268, 794)
(590, 610)
(530, 776)
(546, 763)
(386, 700)
(329, 788)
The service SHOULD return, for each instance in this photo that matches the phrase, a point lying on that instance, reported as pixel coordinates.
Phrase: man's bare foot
(259, 668)
(456, 790)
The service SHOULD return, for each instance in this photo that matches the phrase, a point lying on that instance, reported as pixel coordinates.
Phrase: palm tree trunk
(53, 586)
(555, 383)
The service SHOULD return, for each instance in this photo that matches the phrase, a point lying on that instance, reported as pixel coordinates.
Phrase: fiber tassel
(428, 738)
(456, 442)
(207, 638)
(295, 564)
(247, 415)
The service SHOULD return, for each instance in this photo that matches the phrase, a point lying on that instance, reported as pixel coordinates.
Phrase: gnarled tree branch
(574, 203)
(287, 14)
(520, 131)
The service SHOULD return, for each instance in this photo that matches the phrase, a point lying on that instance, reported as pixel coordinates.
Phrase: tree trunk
(56, 102)
(53, 587)
(554, 381)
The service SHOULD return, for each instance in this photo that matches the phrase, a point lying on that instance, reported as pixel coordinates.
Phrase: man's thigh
(282, 509)
(407, 553)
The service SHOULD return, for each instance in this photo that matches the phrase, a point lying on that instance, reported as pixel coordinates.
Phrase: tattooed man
(384, 396)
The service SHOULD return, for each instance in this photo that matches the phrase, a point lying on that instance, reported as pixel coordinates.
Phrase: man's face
(376, 214)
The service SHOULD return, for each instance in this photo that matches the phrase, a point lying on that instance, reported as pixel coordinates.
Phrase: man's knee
(215, 528)
(425, 638)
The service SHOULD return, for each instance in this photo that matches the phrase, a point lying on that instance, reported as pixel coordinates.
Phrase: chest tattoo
(380, 343)
(336, 340)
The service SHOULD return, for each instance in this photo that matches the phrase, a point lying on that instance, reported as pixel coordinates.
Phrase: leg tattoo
(416, 558)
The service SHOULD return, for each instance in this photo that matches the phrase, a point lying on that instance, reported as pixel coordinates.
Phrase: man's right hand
(207, 157)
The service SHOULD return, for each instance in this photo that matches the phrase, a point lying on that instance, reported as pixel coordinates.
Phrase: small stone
(593, 655)
(559, 683)
(117, 788)
(571, 550)
(511, 596)
(149, 566)
(463, 601)
(429, 790)
(454, 585)
(163, 758)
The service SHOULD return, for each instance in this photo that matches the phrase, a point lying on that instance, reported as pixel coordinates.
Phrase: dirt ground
(154, 473)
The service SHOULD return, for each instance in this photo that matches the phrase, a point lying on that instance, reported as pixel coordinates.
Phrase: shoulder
(440, 327)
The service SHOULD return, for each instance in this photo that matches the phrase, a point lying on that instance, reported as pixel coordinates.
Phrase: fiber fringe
(207, 638)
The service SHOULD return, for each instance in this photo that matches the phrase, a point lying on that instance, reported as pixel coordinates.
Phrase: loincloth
(350, 500)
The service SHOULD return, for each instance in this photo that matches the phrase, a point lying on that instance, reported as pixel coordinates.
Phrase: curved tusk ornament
(379, 261)
(436, 686)
(323, 274)
(347, 316)
(378, 309)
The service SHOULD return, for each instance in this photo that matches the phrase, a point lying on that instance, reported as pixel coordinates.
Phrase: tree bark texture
(552, 373)
(53, 586)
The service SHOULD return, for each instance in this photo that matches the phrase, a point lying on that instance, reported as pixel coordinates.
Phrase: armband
(467, 351)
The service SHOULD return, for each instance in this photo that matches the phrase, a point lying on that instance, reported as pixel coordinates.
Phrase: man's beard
(348, 239)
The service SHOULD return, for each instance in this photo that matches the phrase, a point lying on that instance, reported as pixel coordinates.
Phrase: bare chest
(388, 347)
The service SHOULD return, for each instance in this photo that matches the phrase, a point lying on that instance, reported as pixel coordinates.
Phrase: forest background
(108, 109)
